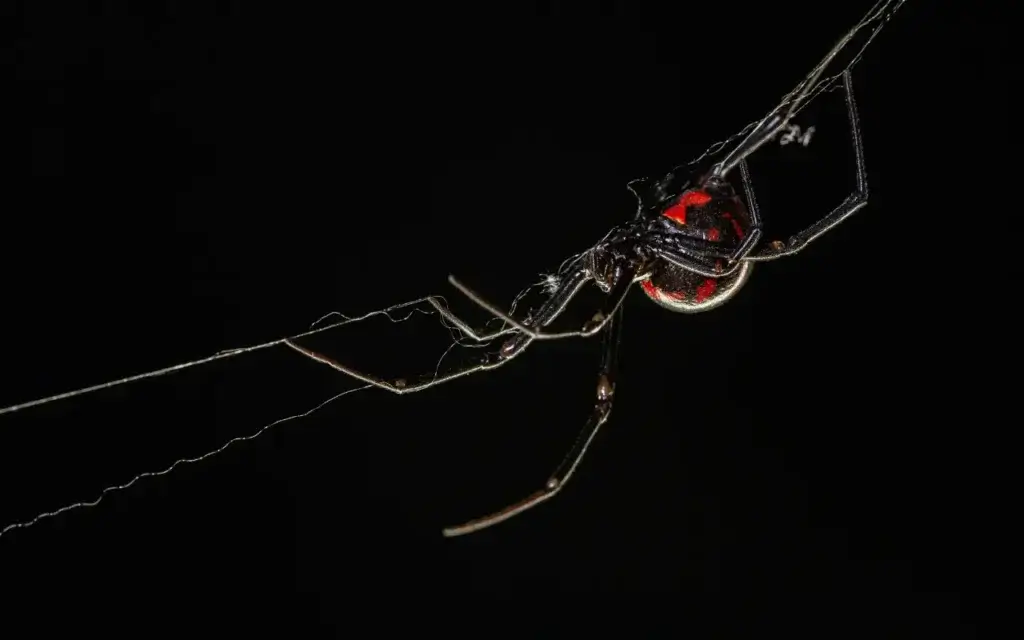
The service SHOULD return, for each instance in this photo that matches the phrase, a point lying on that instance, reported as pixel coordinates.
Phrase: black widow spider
(691, 246)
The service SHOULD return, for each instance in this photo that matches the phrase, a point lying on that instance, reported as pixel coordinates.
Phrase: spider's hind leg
(753, 235)
(848, 207)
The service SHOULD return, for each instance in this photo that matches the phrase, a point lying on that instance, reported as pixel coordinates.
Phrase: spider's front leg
(575, 278)
(402, 386)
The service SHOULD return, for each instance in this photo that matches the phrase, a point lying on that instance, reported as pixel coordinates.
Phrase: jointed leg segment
(547, 313)
(612, 332)
(848, 207)
(403, 386)
(749, 249)
(608, 322)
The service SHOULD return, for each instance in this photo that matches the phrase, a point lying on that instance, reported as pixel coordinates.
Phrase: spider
(691, 246)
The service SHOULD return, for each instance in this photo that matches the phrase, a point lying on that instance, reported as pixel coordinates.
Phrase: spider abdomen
(714, 217)
(678, 289)
(714, 214)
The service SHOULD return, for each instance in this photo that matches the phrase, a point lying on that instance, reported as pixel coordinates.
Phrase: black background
(195, 178)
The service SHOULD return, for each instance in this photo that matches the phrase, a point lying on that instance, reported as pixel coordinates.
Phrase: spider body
(691, 246)
(708, 221)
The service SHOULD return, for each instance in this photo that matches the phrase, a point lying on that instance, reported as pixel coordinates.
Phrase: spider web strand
(880, 11)
(112, 489)
(174, 465)
(223, 355)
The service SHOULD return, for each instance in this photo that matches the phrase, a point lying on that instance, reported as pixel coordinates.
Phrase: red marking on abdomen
(714, 235)
(735, 225)
(705, 290)
(677, 212)
(656, 293)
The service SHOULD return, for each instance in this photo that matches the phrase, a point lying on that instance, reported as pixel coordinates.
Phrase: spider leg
(694, 259)
(399, 386)
(793, 101)
(623, 281)
(848, 207)
(550, 310)
(402, 386)
(612, 332)
(465, 328)
(754, 233)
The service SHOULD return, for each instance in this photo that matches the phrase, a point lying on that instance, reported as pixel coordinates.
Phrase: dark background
(202, 177)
